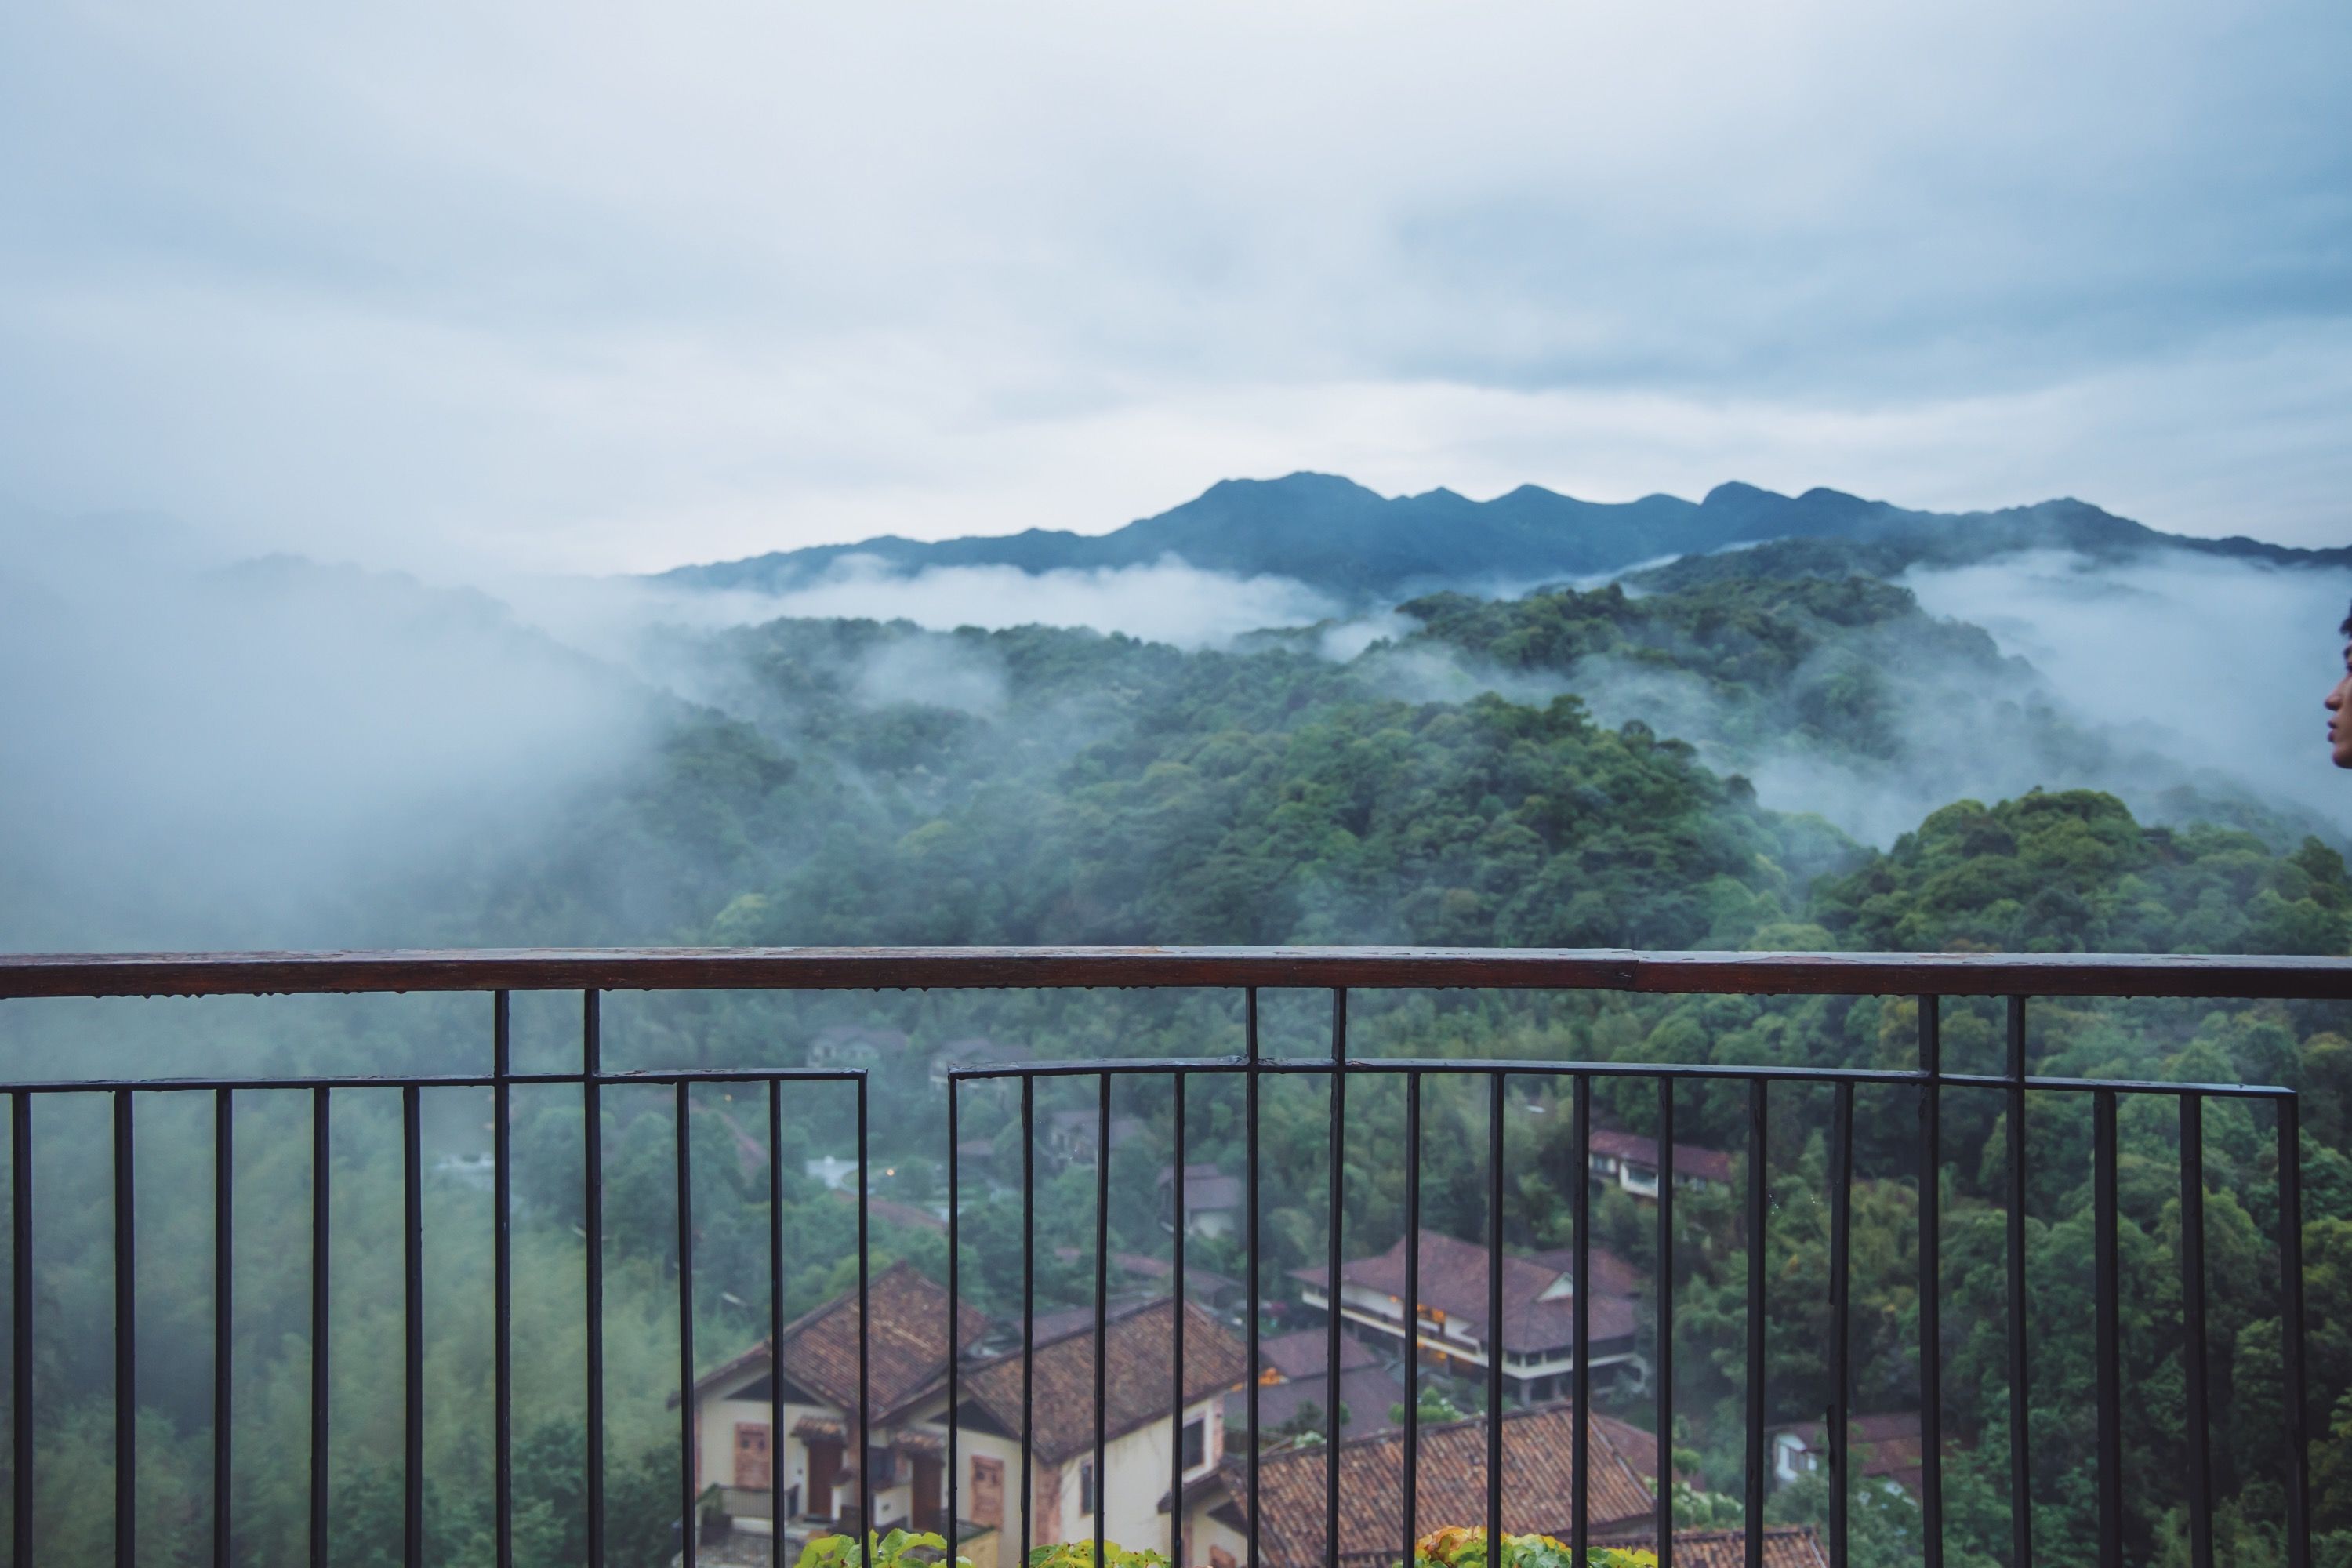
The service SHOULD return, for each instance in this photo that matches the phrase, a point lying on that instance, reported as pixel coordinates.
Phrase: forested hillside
(1562, 769)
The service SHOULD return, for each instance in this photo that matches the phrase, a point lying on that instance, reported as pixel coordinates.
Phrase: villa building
(1537, 1330)
(1632, 1161)
(816, 1461)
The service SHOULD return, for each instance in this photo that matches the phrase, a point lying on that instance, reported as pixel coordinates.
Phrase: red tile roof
(1611, 1274)
(907, 1350)
(1303, 1353)
(1450, 1485)
(1690, 1160)
(1785, 1546)
(1367, 1395)
(1454, 1281)
(1138, 1341)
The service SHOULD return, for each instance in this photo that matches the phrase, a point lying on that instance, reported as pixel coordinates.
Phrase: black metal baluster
(223, 1312)
(776, 1326)
(1338, 1203)
(20, 1222)
(320, 1240)
(1176, 1367)
(1841, 1318)
(1412, 1492)
(1028, 1307)
(955, 1328)
(126, 1342)
(1758, 1176)
(1580, 1319)
(1249, 1140)
(2021, 1460)
(1931, 1283)
(503, 1268)
(412, 1379)
(1666, 1332)
(1495, 1092)
(2107, 1289)
(687, 1471)
(1102, 1320)
(2298, 1430)
(591, 1103)
(2192, 1314)
(865, 1338)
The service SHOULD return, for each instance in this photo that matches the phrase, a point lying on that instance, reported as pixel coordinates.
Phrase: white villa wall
(715, 1433)
(1206, 1533)
(1136, 1465)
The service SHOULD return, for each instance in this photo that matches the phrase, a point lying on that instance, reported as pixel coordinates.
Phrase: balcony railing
(1929, 978)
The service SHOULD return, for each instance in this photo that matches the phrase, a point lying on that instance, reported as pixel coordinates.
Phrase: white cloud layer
(445, 285)
(1168, 601)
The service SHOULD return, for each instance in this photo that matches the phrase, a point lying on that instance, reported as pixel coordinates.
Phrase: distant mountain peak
(1334, 535)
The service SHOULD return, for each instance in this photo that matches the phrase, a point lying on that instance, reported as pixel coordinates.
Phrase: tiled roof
(1689, 1158)
(1611, 1274)
(1302, 1354)
(907, 1350)
(1450, 1485)
(1137, 1345)
(908, 1340)
(1785, 1546)
(1367, 1395)
(1454, 1281)
(1005, 1334)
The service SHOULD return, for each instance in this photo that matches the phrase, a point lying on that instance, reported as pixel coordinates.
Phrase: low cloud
(244, 755)
(1168, 601)
(1433, 672)
(2216, 664)
(937, 674)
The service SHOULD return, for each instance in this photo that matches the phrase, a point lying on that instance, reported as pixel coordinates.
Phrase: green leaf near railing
(1459, 1546)
(900, 1549)
(1081, 1554)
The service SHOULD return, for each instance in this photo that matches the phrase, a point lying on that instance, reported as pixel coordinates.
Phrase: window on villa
(1087, 1487)
(1196, 1443)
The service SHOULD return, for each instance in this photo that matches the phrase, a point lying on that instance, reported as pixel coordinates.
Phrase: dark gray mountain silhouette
(1338, 536)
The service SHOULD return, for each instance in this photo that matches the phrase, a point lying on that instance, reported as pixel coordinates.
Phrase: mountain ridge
(1333, 534)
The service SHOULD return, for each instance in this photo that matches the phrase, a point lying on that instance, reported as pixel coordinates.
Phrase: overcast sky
(611, 287)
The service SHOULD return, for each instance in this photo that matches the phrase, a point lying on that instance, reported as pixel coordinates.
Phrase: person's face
(2339, 728)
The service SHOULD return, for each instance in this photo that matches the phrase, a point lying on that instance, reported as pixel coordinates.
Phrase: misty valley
(1812, 728)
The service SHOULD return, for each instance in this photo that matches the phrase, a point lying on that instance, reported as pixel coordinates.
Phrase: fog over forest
(271, 734)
